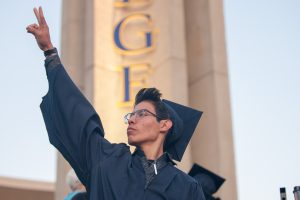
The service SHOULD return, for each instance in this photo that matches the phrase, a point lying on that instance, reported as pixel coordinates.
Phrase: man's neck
(152, 152)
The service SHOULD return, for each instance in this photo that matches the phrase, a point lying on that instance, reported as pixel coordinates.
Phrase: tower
(112, 48)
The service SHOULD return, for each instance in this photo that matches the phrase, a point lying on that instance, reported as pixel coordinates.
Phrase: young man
(158, 128)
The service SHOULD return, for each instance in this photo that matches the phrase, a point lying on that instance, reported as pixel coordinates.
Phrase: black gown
(109, 171)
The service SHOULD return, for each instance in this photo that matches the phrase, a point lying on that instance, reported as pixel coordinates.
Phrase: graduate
(159, 129)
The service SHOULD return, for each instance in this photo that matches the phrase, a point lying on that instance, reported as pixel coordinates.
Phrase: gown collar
(166, 156)
(152, 167)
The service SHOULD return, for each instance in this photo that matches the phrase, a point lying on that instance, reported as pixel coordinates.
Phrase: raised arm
(73, 125)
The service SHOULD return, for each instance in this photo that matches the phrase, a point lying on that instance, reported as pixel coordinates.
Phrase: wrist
(48, 47)
(50, 52)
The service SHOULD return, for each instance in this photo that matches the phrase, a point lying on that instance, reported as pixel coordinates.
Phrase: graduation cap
(184, 121)
(209, 181)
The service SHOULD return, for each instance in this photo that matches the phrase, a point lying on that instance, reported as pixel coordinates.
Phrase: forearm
(69, 117)
(65, 99)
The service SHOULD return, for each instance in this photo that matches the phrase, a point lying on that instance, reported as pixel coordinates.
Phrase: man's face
(143, 129)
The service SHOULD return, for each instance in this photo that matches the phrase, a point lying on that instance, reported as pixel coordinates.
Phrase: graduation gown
(109, 171)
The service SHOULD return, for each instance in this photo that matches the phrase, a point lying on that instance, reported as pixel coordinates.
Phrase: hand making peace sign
(40, 31)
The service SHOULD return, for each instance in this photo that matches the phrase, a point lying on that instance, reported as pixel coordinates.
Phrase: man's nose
(131, 119)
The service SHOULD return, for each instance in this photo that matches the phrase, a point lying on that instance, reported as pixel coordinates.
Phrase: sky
(263, 48)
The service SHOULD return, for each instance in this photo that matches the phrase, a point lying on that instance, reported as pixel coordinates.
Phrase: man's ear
(165, 125)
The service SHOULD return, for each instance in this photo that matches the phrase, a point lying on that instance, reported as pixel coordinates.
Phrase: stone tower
(112, 48)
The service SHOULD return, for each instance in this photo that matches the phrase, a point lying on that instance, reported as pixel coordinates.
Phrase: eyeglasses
(139, 114)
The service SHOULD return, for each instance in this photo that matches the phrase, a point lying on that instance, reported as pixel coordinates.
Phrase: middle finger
(36, 12)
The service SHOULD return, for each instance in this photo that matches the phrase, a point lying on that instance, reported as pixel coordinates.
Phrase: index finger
(42, 18)
(36, 12)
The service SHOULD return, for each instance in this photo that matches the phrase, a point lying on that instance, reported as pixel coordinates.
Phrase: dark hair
(153, 95)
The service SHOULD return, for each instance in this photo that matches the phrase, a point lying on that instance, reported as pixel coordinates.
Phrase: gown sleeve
(73, 125)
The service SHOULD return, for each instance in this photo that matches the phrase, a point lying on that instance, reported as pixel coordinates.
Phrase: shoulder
(189, 188)
(183, 176)
(181, 179)
(115, 150)
(110, 154)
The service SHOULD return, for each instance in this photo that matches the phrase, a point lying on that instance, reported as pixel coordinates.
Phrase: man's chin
(133, 142)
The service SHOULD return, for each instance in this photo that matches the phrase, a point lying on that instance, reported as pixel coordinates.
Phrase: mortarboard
(184, 121)
(209, 181)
